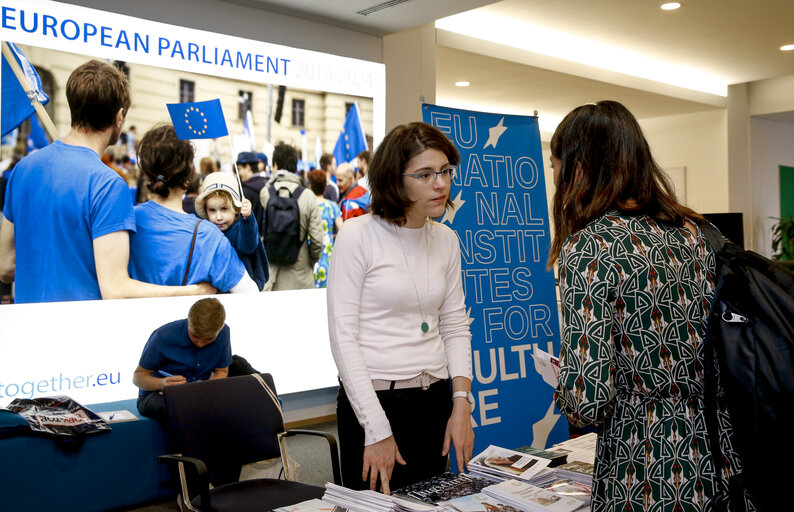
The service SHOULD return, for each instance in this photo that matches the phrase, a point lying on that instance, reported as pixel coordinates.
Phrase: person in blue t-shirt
(170, 246)
(219, 202)
(65, 235)
(189, 350)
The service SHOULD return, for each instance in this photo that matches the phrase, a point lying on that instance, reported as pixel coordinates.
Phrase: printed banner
(501, 218)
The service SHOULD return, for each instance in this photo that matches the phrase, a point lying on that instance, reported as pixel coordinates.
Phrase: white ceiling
(735, 40)
(395, 16)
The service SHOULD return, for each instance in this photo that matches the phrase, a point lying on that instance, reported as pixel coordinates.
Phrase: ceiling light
(787, 47)
(670, 6)
(462, 84)
(545, 41)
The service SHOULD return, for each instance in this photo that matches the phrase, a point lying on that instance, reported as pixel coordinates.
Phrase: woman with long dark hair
(397, 320)
(636, 279)
(170, 246)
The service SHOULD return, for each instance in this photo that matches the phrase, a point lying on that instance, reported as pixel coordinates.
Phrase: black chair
(215, 427)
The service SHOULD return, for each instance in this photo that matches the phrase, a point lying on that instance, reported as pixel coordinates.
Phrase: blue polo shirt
(169, 349)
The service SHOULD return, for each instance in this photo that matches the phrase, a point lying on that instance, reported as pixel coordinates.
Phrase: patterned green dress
(636, 296)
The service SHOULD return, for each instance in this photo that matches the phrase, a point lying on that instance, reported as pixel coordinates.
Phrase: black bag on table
(59, 417)
(751, 329)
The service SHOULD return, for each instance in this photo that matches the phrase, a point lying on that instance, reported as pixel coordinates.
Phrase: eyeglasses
(428, 177)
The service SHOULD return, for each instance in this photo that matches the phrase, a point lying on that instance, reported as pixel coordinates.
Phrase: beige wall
(699, 143)
(771, 145)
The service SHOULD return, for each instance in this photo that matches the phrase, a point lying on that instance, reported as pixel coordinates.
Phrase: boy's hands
(245, 209)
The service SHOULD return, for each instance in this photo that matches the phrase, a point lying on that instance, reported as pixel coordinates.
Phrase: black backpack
(751, 329)
(282, 226)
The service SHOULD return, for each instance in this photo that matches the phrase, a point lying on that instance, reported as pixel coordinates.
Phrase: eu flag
(199, 120)
(351, 141)
(16, 106)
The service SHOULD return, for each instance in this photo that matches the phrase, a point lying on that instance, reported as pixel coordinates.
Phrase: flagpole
(236, 172)
(30, 91)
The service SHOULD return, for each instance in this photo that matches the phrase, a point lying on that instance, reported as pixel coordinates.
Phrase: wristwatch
(464, 394)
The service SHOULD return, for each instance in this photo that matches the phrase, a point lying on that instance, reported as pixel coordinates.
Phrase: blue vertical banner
(501, 218)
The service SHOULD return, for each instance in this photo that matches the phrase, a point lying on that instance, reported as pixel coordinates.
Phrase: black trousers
(418, 421)
(152, 405)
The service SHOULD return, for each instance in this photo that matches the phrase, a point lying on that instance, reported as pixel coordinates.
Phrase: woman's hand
(379, 459)
(459, 433)
(245, 209)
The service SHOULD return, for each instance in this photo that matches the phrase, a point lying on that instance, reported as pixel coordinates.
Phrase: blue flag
(351, 141)
(200, 120)
(16, 106)
(37, 139)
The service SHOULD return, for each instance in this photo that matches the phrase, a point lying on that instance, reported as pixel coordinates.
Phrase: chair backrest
(224, 422)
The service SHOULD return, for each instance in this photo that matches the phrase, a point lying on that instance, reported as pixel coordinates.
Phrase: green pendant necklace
(425, 327)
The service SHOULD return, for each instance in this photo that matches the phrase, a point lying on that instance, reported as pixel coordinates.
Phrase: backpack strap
(728, 495)
(712, 234)
(190, 254)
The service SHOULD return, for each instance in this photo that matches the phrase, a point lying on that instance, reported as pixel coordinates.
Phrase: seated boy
(219, 202)
(183, 351)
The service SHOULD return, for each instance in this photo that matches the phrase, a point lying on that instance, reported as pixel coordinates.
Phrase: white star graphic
(494, 134)
(449, 215)
(542, 428)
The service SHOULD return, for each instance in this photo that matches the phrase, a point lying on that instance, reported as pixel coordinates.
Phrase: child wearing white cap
(220, 203)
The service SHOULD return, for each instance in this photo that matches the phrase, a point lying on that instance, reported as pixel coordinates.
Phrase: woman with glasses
(397, 320)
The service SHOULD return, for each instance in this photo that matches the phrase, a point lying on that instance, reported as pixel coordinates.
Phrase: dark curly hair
(388, 163)
(166, 160)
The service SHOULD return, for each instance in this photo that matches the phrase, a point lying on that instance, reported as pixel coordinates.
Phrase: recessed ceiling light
(462, 84)
(787, 47)
(671, 6)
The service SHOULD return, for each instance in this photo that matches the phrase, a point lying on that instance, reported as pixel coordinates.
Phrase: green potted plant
(783, 240)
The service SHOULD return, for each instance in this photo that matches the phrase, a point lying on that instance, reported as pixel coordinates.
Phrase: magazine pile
(524, 496)
(500, 480)
(500, 464)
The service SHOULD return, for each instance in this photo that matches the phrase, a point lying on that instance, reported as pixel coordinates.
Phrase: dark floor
(309, 451)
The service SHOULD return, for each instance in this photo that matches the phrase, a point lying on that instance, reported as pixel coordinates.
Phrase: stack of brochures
(314, 505)
(581, 472)
(443, 487)
(371, 501)
(581, 448)
(529, 498)
(566, 487)
(500, 464)
(471, 503)
(556, 457)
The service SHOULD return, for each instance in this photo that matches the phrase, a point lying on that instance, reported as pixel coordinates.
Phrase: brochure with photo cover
(443, 487)
(556, 457)
(581, 472)
(501, 463)
(529, 498)
(566, 487)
